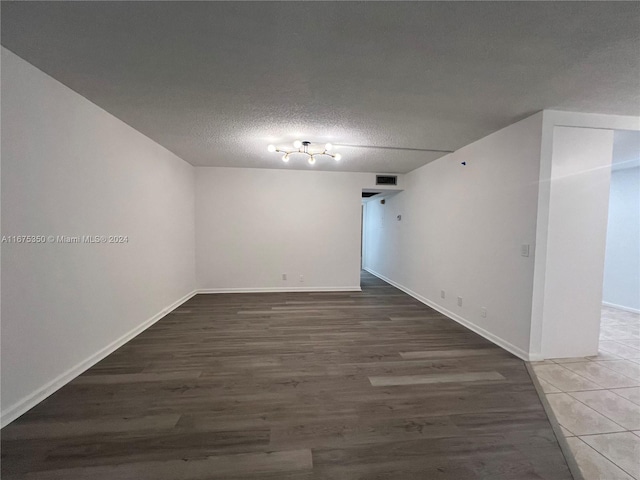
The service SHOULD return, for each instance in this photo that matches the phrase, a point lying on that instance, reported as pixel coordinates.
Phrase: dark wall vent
(386, 180)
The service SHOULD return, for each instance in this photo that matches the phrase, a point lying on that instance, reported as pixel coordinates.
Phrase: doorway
(367, 196)
(620, 317)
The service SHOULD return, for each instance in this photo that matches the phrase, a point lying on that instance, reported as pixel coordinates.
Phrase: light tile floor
(596, 400)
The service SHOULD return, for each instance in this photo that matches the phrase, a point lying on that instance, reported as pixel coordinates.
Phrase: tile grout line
(624, 429)
(575, 394)
(596, 362)
(621, 344)
(574, 469)
(569, 370)
(579, 437)
(602, 455)
(598, 412)
(619, 373)
(627, 399)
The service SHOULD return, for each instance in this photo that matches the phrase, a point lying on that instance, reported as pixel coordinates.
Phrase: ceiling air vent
(386, 180)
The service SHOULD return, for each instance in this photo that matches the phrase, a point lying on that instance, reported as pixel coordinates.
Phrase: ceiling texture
(216, 82)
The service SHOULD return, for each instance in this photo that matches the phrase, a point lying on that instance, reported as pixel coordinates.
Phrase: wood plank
(137, 377)
(427, 379)
(73, 428)
(458, 352)
(217, 467)
(280, 386)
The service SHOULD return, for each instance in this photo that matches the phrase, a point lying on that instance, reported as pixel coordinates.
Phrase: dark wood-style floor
(340, 386)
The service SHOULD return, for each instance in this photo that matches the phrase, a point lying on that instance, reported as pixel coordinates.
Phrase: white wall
(70, 168)
(253, 225)
(576, 233)
(461, 231)
(551, 120)
(622, 260)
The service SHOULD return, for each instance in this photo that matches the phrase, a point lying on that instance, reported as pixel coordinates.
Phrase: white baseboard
(517, 351)
(26, 403)
(280, 289)
(536, 357)
(621, 307)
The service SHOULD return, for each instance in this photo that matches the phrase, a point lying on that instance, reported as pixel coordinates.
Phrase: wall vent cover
(386, 180)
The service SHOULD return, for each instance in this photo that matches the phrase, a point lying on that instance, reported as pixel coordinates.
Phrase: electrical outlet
(301, 278)
(483, 312)
(441, 293)
(284, 276)
(524, 250)
(459, 301)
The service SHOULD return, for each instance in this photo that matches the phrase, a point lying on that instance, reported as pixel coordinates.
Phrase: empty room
(320, 240)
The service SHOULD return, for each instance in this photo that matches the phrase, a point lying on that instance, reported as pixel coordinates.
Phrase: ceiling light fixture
(306, 149)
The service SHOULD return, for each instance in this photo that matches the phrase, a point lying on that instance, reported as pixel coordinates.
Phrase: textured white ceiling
(215, 82)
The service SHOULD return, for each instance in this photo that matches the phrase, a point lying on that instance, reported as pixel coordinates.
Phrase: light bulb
(337, 157)
(297, 144)
(271, 148)
(285, 158)
(312, 160)
(328, 147)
